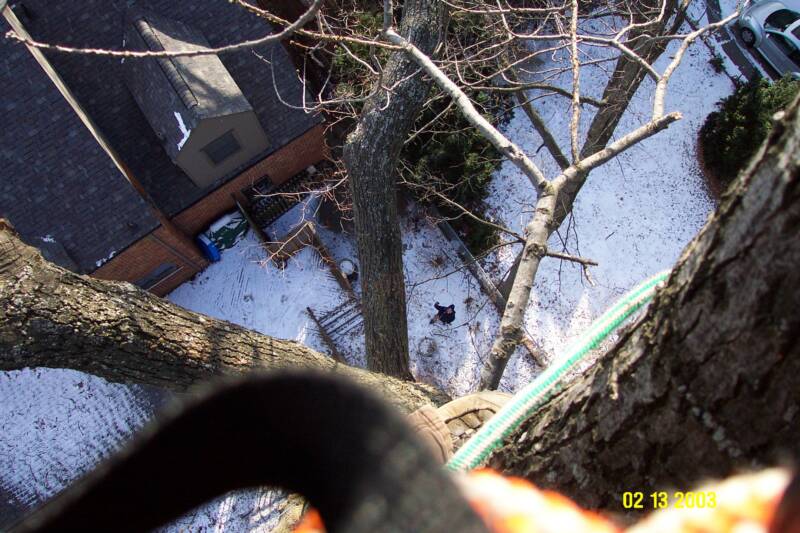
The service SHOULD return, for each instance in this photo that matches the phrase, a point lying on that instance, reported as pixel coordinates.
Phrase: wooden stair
(335, 323)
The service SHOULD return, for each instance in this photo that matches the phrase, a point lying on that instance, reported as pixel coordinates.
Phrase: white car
(773, 28)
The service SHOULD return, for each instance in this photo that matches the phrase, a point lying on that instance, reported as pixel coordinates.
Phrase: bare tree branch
(503, 144)
(542, 86)
(575, 259)
(576, 83)
(199, 51)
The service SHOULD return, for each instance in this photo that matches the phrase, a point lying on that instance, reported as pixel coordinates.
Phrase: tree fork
(708, 381)
(51, 317)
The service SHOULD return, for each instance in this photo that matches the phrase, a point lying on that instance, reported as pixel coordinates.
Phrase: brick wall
(306, 150)
(147, 254)
(161, 246)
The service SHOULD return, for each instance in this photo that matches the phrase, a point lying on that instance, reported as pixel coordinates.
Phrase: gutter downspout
(51, 73)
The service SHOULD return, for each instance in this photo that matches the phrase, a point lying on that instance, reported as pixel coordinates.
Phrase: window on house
(156, 276)
(222, 148)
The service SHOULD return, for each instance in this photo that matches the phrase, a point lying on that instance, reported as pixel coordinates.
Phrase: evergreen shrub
(731, 135)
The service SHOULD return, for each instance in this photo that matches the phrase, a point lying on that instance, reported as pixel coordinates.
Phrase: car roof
(793, 31)
(762, 10)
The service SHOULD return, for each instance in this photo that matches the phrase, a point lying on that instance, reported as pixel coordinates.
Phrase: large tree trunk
(371, 155)
(709, 379)
(51, 317)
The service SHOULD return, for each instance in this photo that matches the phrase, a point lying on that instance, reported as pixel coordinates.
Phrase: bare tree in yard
(556, 195)
(371, 156)
(709, 379)
(498, 52)
(496, 62)
(706, 381)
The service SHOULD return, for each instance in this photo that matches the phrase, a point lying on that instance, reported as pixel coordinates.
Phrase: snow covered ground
(634, 216)
(246, 289)
(446, 356)
(56, 423)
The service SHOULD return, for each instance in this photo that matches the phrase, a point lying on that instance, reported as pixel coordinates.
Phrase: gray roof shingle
(55, 180)
(57, 186)
(194, 87)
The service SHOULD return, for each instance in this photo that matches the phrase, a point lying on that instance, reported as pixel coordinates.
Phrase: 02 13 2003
(662, 499)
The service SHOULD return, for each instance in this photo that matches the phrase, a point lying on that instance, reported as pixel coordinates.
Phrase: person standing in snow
(445, 314)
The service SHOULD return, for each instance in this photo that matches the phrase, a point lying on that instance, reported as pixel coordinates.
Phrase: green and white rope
(525, 402)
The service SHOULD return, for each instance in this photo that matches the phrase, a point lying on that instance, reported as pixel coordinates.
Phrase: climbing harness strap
(476, 450)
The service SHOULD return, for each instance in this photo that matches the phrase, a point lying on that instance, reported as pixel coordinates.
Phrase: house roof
(55, 180)
(176, 93)
(57, 186)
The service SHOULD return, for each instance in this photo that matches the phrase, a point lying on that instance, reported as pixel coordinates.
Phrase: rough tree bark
(371, 156)
(709, 379)
(53, 318)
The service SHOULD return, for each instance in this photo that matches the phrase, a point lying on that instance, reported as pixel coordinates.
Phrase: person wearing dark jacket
(445, 314)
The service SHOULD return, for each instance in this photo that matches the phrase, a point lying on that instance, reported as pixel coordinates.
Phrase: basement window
(222, 148)
(156, 276)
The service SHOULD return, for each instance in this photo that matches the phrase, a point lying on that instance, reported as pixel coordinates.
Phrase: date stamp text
(663, 499)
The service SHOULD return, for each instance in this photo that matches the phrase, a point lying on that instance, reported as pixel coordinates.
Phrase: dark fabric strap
(354, 457)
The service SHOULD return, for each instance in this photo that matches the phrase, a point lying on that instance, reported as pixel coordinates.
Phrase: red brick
(162, 246)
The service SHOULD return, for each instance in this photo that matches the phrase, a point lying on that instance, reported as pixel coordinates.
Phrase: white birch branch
(661, 86)
(500, 141)
(576, 84)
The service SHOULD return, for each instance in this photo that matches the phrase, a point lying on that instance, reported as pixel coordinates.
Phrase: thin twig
(199, 51)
